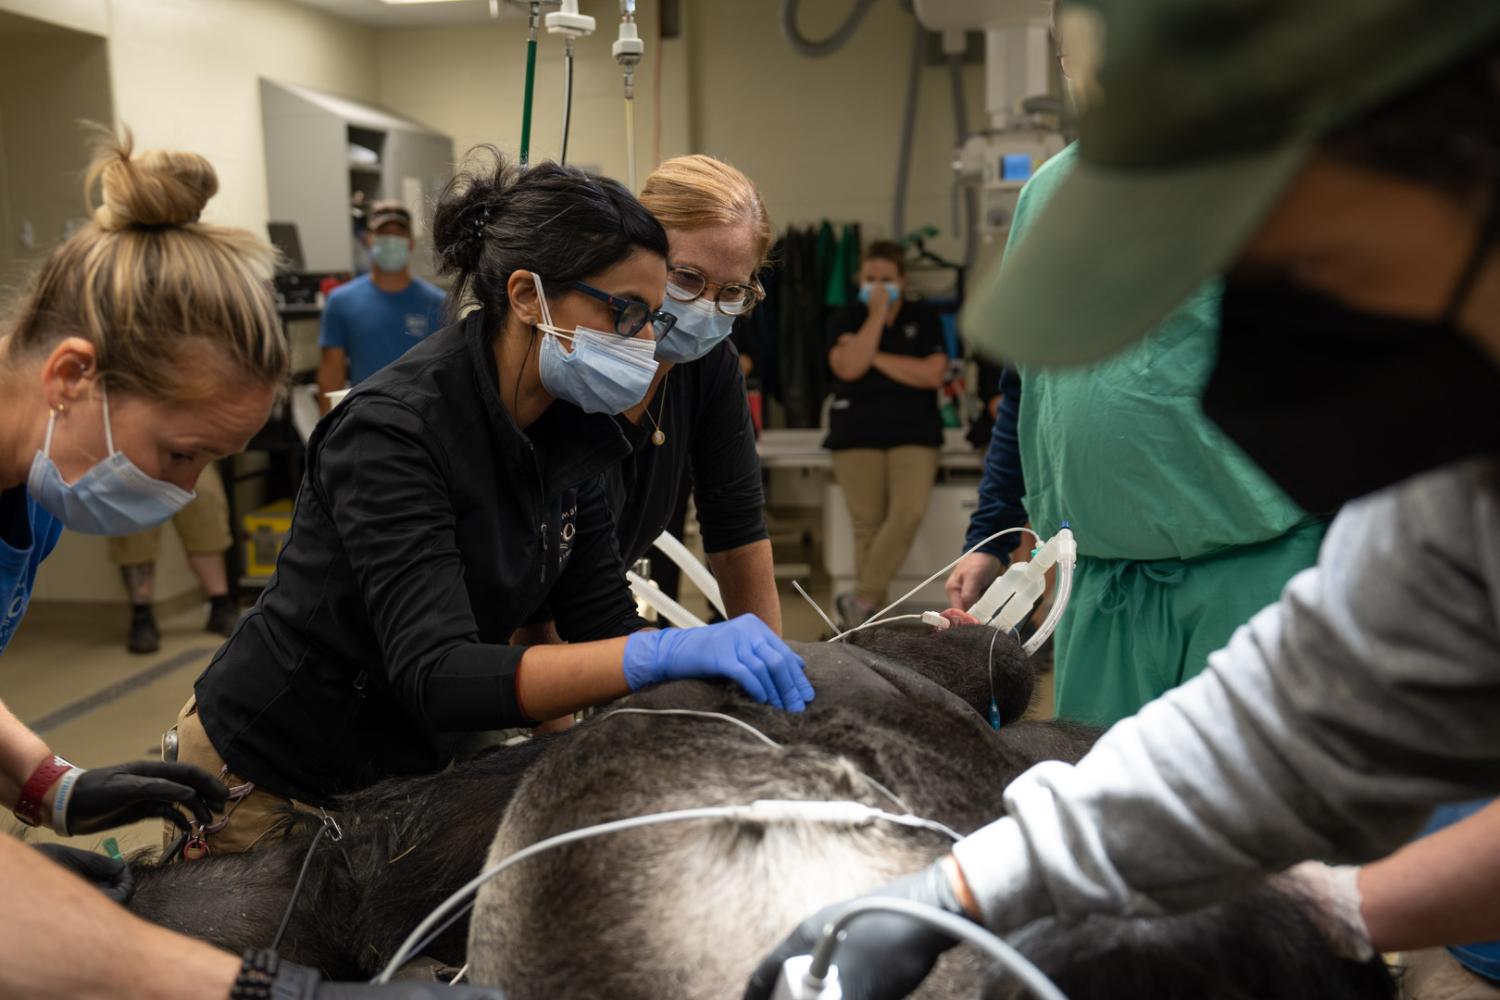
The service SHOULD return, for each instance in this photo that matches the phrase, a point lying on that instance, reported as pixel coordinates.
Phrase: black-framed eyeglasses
(734, 298)
(631, 315)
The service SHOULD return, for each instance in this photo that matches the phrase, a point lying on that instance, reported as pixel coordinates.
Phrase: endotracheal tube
(1009, 600)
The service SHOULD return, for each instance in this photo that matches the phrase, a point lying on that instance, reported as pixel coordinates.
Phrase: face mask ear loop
(109, 435)
(51, 426)
(541, 299)
(1488, 231)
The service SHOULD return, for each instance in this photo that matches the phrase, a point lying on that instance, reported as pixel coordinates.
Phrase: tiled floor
(67, 670)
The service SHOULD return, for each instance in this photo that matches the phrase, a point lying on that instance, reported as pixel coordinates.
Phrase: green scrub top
(1181, 538)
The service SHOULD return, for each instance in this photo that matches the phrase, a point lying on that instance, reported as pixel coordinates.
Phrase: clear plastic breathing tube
(702, 578)
(1059, 605)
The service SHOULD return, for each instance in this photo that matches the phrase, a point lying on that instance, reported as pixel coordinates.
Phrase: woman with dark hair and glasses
(446, 500)
(692, 430)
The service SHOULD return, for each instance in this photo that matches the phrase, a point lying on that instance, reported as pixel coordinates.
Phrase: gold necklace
(658, 436)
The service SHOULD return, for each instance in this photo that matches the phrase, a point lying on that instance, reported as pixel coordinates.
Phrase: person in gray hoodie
(1339, 163)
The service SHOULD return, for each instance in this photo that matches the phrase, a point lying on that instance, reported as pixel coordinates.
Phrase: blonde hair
(696, 192)
(151, 287)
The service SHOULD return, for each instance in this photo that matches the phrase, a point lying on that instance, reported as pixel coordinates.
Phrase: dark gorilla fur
(408, 844)
(950, 662)
(907, 709)
(1258, 946)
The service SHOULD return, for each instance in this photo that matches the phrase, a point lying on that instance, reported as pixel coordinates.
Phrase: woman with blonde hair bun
(693, 429)
(147, 347)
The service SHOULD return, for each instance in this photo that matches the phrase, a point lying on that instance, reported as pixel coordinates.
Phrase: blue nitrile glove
(744, 650)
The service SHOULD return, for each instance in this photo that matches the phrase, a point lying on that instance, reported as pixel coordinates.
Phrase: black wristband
(257, 974)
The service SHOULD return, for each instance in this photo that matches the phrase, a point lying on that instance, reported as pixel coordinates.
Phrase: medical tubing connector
(760, 811)
(878, 617)
(669, 609)
(965, 930)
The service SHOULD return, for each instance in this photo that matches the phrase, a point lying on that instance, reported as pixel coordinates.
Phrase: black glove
(106, 797)
(297, 982)
(882, 956)
(108, 875)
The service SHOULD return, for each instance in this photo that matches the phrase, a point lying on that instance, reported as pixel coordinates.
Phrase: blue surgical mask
(390, 253)
(868, 289)
(699, 329)
(604, 373)
(113, 498)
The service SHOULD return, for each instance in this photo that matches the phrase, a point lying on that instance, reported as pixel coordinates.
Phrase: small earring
(60, 409)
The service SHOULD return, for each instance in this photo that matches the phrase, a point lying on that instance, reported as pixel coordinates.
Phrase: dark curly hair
(495, 218)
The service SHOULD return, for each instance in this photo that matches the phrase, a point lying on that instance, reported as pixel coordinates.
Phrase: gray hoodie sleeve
(1327, 728)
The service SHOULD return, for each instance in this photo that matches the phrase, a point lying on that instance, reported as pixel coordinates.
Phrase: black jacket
(710, 442)
(428, 527)
(876, 411)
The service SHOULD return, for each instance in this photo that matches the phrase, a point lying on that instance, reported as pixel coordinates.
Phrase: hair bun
(157, 188)
(473, 199)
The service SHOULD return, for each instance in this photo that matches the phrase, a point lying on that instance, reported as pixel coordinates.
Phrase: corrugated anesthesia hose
(1059, 605)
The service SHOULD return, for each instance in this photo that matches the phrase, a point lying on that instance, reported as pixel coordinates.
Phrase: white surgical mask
(604, 373)
(699, 329)
(114, 497)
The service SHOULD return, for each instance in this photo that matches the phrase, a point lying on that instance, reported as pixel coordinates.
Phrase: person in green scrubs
(1181, 538)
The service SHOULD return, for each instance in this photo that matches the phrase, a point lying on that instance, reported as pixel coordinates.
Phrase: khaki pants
(251, 815)
(886, 490)
(203, 526)
(1434, 974)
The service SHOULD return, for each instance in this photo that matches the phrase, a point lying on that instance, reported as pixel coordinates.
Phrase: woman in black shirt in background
(884, 429)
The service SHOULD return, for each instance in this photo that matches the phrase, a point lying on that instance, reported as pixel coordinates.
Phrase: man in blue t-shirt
(377, 317)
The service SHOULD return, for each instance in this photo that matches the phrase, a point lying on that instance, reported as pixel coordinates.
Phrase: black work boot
(223, 616)
(144, 637)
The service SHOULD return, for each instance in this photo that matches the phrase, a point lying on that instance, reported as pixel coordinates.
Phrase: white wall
(186, 76)
(468, 80)
(43, 151)
(79, 15)
(820, 137)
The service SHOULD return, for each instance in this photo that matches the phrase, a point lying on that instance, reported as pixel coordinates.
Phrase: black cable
(815, 49)
(562, 157)
(291, 904)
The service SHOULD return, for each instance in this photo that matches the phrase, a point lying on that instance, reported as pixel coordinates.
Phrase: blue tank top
(28, 535)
